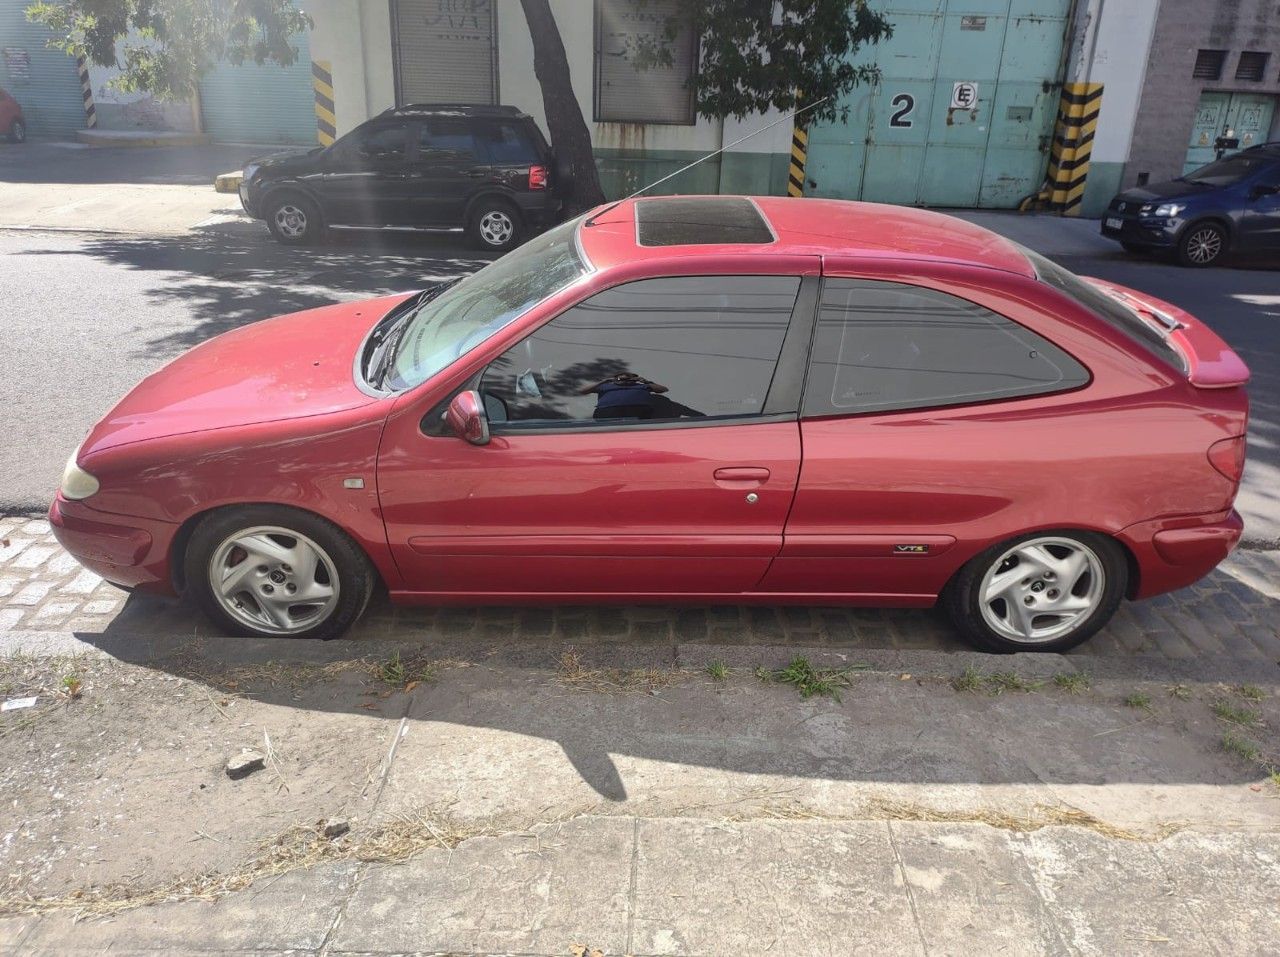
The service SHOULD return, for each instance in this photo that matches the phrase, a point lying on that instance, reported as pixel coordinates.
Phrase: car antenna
(702, 159)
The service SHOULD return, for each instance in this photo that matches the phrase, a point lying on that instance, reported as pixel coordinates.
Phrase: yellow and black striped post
(799, 154)
(1073, 145)
(322, 83)
(86, 91)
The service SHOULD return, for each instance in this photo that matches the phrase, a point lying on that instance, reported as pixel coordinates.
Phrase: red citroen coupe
(698, 399)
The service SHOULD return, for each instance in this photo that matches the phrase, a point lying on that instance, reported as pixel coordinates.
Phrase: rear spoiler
(1211, 363)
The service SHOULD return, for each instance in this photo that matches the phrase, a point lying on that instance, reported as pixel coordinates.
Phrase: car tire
(18, 131)
(293, 219)
(1047, 617)
(271, 571)
(1202, 244)
(494, 225)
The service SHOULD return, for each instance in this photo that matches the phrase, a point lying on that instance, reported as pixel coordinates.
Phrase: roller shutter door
(266, 104)
(44, 81)
(446, 51)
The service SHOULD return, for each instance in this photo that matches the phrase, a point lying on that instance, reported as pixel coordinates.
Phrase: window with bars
(659, 94)
(1252, 65)
(1209, 64)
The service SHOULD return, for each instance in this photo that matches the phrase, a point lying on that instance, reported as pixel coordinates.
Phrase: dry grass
(573, 675)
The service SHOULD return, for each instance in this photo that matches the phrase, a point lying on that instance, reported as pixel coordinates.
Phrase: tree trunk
(570, 137)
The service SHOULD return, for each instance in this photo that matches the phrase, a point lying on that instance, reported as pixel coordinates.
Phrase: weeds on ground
(717, 671)
(1243, 748)
(1138, 699)
(1181, 692)
(764, 674)
(613, 680)
(1250, 692)
(1072, 682)
(72, 686)
(404, 674)
(810, 681)
(997, 683)
(1234, 714)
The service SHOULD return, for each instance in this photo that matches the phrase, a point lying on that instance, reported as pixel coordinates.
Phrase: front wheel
(494, 225)
(18, 131)
(293, 220)
(277, 572)
(1047, 591)
(1202, 244)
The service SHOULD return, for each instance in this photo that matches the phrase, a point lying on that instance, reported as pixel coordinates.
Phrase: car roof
(456, 109)
(684, 226)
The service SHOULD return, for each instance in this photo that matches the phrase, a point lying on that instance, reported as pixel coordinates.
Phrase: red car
(12, 123)
(697, 399)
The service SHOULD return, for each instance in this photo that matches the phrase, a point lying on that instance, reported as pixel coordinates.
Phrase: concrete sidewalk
(535, 799)
(118, 208)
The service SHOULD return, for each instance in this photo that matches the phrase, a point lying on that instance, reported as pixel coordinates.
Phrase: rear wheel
(1202, 244)
(1047, 591)
(18, 131)
(293, 219)
(494, 225)
(273, 571)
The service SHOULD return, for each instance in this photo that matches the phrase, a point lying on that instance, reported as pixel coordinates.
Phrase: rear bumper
(1174, 553)
(126, 551)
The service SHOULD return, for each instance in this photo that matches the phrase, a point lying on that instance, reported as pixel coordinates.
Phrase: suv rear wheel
(494, 225)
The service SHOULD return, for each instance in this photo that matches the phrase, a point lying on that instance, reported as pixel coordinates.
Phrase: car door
(930, 423)
(577, 494)
(1260, 223)
(446, 171)
(366, 180)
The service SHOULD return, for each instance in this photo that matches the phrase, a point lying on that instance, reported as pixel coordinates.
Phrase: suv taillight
(1227, 456)
(537, 177)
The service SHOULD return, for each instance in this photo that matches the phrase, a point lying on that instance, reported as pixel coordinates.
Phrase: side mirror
(466, 418)
(1258, 190)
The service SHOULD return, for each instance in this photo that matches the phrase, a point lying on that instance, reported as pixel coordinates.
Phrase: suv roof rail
(473, 109)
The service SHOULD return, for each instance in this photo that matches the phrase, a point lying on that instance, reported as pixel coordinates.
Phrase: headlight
(1170, 209)
(76, 482)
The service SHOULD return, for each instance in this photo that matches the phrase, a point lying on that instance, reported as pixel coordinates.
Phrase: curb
(228, 182)
(128, 139)
(545, 655)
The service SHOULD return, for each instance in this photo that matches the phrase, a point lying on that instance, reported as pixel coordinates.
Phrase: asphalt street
(87, 316)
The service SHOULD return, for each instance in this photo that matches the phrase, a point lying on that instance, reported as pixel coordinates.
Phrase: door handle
(477, 174)
(742, 476)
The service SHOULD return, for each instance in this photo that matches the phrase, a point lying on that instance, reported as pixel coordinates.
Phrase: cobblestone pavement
(1235, 612)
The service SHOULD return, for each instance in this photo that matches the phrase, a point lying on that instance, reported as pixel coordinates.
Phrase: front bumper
(126, 551)
(1141, 230)
(1175, 552)
(247, 201)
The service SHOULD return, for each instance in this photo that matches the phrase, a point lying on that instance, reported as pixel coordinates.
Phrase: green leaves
(163, 47)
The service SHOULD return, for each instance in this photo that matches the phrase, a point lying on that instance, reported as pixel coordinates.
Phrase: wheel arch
(290, 188)
(506, 197)
(1133, 569)
(1217, 219)
(182, 538)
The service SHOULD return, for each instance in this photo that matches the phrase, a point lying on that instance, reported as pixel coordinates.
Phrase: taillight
(537, 177)
(1227, 456)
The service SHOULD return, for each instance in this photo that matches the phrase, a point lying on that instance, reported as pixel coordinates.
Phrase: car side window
(383, 143)
(508, 144)
(885, 346)
(655, 350)
(447, 140)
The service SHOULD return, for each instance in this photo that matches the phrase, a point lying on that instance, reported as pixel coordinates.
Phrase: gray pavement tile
(972, 890)
(769, 887)
(539, 891)
(1221, 866)
(291, 912)
(1108, 897)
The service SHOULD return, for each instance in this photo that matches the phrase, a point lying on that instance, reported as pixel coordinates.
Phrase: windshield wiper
(384, 358)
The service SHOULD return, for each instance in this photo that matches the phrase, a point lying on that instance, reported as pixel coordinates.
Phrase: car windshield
(463, 316)
(1111, 310)
(1230, 170)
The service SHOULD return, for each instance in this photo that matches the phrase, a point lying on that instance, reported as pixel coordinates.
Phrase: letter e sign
(964, 95)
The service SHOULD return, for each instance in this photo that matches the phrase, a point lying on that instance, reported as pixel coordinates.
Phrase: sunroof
(700, 221)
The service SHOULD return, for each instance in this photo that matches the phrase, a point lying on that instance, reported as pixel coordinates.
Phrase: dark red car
(699, 399)
(12, 123)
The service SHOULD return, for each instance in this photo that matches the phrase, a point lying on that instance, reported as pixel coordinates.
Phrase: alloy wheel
(496, 227)
(291, 221)
(274, 579)
(1041, 590)
(1204, 245)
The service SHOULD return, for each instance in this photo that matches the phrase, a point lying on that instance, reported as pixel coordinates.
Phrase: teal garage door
(962, 114)
(266, 104)
(44, 81)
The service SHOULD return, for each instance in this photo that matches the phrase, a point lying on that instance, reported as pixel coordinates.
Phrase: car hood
(1173, 189)
(284, 368)
(284, 156)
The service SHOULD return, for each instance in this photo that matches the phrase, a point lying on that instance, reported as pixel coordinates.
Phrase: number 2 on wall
(904, 103)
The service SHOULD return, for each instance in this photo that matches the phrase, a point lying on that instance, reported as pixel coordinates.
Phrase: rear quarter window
(511, 144)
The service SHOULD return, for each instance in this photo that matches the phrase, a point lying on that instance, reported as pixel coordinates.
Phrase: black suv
(485, 169)
(1230, 205)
